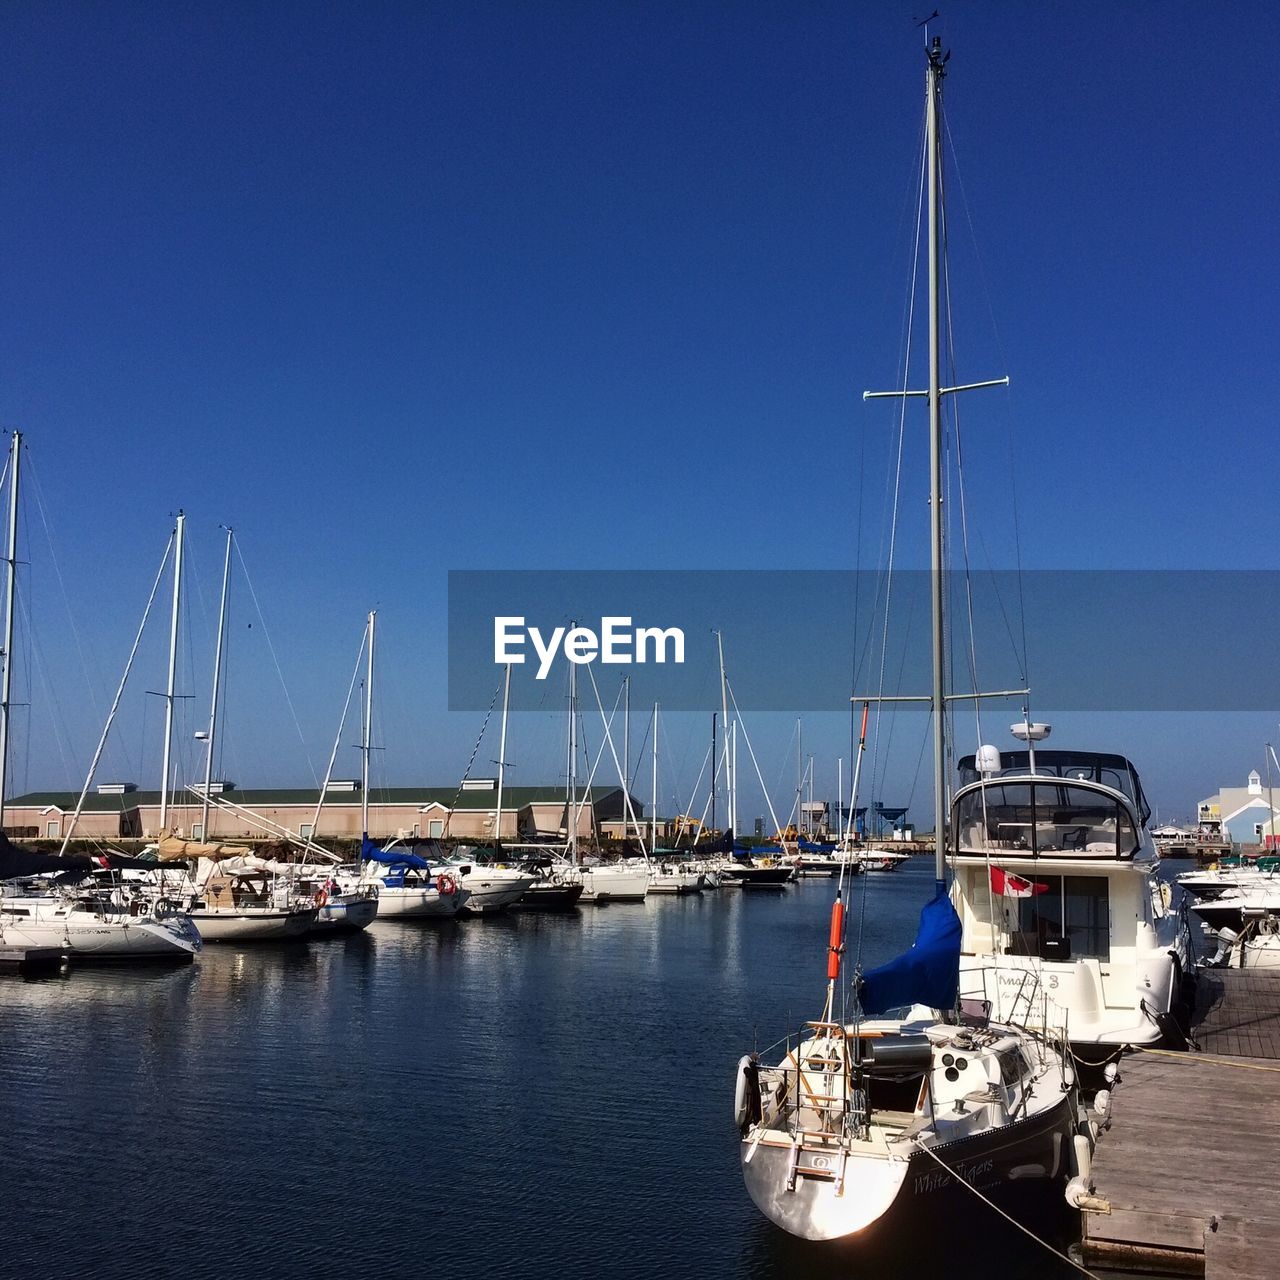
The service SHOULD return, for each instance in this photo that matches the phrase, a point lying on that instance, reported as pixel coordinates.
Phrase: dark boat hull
(550, 897)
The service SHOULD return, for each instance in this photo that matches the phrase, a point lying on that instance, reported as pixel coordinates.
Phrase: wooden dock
(31, 960)
(1189, 1167)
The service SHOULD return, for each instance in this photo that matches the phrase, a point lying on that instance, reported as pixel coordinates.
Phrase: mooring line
(1084, 1271)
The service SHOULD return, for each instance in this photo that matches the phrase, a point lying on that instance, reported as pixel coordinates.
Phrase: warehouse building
(119, 811)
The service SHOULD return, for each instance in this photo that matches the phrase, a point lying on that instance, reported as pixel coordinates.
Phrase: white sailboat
(408, 887)
(670, 874)
(864, 1111)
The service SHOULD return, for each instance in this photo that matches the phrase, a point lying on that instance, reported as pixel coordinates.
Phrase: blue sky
(399, 289)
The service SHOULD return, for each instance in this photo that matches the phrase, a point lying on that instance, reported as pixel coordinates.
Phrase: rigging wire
(106, 729)
(253, 595)
(466, 773)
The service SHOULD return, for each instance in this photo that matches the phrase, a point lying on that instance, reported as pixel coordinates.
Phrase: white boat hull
(247, 924)
(614, 884)
(416, 902)
(494, 892)
(346, 915)
(104, 939)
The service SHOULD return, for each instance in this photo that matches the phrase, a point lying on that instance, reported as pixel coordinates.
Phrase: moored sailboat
(896, 1079)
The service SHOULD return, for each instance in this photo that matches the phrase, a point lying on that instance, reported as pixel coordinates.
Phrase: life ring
(321, 898)
(446, 885)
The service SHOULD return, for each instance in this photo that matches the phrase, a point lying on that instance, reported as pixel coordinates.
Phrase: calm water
(518, 1096)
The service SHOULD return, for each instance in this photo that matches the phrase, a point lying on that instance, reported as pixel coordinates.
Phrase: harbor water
(522, 1095)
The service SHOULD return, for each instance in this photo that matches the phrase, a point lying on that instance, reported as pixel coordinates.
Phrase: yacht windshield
(1078, 766)
(1042, 818)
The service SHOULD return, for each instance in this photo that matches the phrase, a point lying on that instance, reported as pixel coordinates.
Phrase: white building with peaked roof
(1248, 815)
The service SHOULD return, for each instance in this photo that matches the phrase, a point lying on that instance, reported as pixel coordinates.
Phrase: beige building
(119, 811)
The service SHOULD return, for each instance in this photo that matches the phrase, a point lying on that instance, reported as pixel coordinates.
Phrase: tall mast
(626, 734)
(11, 581)
(733, 779)
(730, 781)
(839, 801)
(715, 769)
(365, 745)
(799, 776)
(179, 534)
(1269, 839)
(809, 811)
(571, 795)
(933, 84)
(213, 701)
(653, 816)
(502, 755)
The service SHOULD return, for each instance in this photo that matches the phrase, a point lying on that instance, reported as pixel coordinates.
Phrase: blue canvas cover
(392, 857)
(927, 974)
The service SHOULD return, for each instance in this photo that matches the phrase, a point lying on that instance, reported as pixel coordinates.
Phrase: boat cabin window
(1012, 1065)
(1066, 918)
(1044, 818)
(1078, 766)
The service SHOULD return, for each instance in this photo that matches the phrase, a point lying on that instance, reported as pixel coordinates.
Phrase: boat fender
(746, 1094)
(446, 885)
(1166, 894)
(321, 898)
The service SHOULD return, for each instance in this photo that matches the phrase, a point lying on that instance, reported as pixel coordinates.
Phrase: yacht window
(1069, 920)
(1003, 820)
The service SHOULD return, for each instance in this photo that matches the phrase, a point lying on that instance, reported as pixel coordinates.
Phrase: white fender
(740, 1092)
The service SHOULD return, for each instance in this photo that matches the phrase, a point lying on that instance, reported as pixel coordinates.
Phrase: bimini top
(1081, 766)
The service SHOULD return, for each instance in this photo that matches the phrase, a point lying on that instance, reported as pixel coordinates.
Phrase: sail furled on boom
(929, 973)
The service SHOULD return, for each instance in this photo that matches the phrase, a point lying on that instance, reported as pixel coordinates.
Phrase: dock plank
(1191, 1156)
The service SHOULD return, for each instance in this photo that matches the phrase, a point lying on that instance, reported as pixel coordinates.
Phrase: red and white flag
(102, 860)
(1008, 885)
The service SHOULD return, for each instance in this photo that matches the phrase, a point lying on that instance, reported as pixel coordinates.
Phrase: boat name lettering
(617, 642)
(936, 1179)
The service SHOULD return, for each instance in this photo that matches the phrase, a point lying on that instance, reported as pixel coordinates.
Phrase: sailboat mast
(571, 794)
(653, 815)
(799, 774)
(365, 746)
(6, 671)
(502, 755)
(730, 782)
(715, 769)
(217, 679)
(839, 799)
(1268, 840)
(933, 84)
(179, 535)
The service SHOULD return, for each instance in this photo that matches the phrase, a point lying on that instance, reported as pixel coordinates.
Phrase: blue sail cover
(370, 852)
(927, 974)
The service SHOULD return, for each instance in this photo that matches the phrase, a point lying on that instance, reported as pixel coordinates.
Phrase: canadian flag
(1008, 885)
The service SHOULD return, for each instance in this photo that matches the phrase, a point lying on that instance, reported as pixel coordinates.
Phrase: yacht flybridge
(1055, 886)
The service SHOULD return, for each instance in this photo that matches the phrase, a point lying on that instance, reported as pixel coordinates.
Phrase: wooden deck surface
(1191, 1163)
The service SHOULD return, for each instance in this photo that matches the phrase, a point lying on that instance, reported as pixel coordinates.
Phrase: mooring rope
(1084, 1271)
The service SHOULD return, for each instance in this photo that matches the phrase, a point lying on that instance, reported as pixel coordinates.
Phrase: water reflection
(523, 1095)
